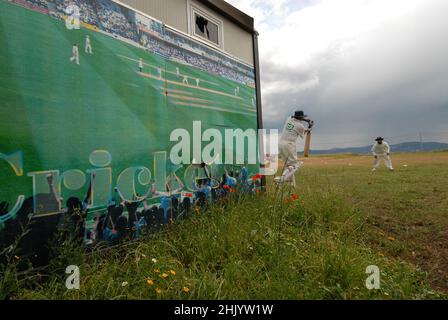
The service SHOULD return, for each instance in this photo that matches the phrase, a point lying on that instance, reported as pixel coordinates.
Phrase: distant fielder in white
(75, 54)
(177, 72)
(88, 48)
(140, 65)
(197, 82)
(293, 130)
(381, 150)
(185, 80)
(237, 91)
(159, 72)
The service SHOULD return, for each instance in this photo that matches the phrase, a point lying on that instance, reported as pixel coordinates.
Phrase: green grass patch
(267, 246)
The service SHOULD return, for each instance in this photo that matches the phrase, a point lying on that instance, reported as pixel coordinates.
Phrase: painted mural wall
(90, 94)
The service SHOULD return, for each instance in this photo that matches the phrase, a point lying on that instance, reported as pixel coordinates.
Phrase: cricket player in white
(88, 48)
(185, 80)
(381, 150)
(75, 54)
(140, 65)
(237, 91)
(293, 129)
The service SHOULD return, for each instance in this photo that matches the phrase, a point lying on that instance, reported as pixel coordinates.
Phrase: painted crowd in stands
(122, 220)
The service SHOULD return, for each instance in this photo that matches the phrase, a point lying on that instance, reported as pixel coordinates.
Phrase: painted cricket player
(140, 65)
(381, 150)
(293, 130)
(88, 48)
(75, 54)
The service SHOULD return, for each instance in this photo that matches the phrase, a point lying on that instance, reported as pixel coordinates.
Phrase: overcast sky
(359, 68)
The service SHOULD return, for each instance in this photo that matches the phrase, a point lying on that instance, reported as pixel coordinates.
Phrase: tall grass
(273, 245)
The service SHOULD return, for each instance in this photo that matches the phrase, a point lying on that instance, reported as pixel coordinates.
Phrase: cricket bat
(306, 149)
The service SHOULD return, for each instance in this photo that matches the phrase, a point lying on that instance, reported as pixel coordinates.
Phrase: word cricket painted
(91, 92)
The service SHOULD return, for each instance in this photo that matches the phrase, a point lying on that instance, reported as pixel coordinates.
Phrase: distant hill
(401, 147)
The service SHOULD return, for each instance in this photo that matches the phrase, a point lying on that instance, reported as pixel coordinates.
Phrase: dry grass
(410, 204)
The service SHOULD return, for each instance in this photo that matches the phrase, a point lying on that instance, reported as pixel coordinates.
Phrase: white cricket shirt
(292, 130)
(381, 148)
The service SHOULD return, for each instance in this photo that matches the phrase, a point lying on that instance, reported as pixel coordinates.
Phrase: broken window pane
(206, 28)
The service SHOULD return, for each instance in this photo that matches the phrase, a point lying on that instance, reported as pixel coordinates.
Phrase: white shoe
(289, 173)
(278, 179)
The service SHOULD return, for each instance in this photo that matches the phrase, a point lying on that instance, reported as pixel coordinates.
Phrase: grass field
(315, 245)
(58, 112)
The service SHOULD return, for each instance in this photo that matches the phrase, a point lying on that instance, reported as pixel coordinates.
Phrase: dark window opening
(207, 29)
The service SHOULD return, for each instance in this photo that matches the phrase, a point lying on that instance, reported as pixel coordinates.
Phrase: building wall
(174, 13)
(171, 12)
(113, 110)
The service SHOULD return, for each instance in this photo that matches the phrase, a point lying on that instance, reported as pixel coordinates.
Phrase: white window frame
(194, 9)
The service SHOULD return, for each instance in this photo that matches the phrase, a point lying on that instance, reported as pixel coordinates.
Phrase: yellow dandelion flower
(150, 282)
(381, 254)
(164, 275)
(173, 272)
(158, 290)
(156, 270)
(186, 289)
(391, 238)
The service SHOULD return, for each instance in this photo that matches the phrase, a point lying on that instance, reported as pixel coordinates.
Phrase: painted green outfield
(57, 112)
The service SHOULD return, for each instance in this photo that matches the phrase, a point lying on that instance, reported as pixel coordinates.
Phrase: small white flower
(154, 260)
(124, 284)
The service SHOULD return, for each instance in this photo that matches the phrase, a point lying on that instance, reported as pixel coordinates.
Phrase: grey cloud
(392, 83)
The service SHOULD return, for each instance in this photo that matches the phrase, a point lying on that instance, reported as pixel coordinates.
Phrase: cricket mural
(90, 94)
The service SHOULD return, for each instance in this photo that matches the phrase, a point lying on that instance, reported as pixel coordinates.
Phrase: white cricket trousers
(75, 58)
(387, 161)
(289, 153)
